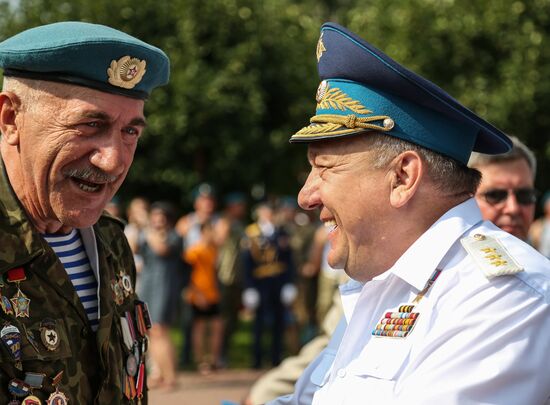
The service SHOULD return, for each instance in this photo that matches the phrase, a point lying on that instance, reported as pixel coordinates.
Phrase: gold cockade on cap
(320, 48)
(126, 72)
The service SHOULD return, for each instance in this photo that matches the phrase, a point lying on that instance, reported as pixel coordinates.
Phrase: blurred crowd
(204, 271)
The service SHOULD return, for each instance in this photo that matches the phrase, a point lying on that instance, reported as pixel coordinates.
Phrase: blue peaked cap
(362, 90)
(85, 54)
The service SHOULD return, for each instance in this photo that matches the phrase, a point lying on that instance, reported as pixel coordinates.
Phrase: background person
(71, 114)
(539, 234)
(230, 233)
(189, 228)
(203, 295)
(269, 268)
(161, 281)
(506, 195)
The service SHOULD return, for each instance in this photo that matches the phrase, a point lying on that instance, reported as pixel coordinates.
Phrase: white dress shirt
(476, 340)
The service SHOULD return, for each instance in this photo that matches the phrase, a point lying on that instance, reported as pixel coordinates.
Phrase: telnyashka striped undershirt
(71, 253)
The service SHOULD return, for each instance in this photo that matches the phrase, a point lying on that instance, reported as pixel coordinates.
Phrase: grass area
(240, 353)
(240, 350)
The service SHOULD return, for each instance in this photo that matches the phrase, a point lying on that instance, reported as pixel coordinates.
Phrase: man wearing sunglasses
(506, 195)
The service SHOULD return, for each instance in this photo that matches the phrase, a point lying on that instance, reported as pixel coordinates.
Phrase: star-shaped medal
(21, 304)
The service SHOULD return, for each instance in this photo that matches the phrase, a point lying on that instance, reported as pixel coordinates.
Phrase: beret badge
(126, 72)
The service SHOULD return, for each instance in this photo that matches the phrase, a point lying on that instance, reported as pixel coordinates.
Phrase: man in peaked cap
(443, 308)
(71, 114)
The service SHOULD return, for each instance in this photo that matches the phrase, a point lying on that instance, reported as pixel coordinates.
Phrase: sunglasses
(524, 196)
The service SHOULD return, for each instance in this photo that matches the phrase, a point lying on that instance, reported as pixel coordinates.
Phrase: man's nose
(109, 154)
(511, 204)
(308, 197)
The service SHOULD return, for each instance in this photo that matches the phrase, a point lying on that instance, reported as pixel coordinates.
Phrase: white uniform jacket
(477, 340)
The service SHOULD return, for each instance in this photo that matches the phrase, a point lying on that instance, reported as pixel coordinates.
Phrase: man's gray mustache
(91, 174)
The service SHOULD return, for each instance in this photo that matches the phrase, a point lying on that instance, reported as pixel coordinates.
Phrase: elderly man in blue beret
(71, 113)
(443, 308)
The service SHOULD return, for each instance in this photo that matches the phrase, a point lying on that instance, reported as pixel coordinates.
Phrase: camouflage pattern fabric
(92, 363)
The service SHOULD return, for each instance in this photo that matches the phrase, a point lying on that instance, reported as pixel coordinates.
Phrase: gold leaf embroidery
(320, 128)
(337, 99)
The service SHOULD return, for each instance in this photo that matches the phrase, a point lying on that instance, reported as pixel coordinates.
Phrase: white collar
(421, 259)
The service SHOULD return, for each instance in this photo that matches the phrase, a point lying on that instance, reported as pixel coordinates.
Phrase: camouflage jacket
(93, 364)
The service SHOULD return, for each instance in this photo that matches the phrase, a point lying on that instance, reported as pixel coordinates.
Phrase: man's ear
(406, 171)
(9, 108)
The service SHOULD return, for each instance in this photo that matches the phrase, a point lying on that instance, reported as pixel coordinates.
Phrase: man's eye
(94, 124)
(132, 131)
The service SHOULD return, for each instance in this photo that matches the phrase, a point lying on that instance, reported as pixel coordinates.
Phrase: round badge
(31, 400)
(57, 398)
(131, 365)
(127, 284)
(49, 338)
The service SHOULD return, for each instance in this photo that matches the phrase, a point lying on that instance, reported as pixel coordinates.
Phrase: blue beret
(363, 89)
(88, 55)
(203, 190)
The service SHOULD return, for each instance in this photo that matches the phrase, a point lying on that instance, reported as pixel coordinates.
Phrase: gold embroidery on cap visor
(327, 125)
(126, 72)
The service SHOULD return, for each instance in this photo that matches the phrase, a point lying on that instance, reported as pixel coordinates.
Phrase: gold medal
(21, 304)
(57, 398)
(31, 400)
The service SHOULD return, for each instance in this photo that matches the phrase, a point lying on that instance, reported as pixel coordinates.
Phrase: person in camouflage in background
(72, 329)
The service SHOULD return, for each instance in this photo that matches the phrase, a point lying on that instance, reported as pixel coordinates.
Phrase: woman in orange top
(204, 296)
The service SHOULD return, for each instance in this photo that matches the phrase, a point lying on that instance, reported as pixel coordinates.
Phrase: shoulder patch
(490, 255)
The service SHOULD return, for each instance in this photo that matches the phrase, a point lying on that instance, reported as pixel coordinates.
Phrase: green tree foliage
(243, 75)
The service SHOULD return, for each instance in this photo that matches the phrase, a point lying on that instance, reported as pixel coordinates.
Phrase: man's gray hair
(519, 151)
(30, 91)
(450, 176)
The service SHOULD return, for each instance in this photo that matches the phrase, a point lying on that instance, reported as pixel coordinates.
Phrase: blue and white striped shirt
(70, 251)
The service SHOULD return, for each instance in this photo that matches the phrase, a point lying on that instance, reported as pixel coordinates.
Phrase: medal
(48, 334)
(21, 303)
(400, 323)
(129, 387)
(19, 388)
(57, 397)
(126, 335)
(31, 339)
(140, 380)
(11, 337)
(142, 317)
(31, 400)
(131, 365)
(6, 305)
(118, 295)
(34, 380)
(126, 283)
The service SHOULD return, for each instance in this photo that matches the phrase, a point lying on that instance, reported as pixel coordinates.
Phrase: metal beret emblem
(126, 72)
